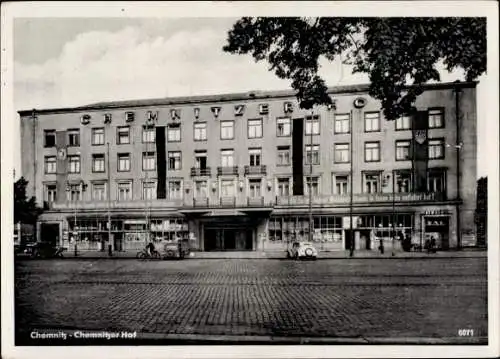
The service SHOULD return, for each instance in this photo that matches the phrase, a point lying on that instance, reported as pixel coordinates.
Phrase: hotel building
(247, 171)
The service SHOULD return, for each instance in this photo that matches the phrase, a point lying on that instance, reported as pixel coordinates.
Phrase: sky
(64, 62)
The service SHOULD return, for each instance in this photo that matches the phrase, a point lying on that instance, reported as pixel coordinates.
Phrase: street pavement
(421, 300)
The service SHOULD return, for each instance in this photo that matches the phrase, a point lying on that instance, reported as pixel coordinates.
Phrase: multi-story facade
(248, 171)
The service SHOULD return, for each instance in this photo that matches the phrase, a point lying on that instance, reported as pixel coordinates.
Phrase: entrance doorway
(228, 239)
(49, 233)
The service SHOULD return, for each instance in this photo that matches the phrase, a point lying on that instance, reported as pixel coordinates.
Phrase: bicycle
(144, 254)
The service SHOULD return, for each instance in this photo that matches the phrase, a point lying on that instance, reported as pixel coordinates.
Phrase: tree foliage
(394, 52)
(25, 210)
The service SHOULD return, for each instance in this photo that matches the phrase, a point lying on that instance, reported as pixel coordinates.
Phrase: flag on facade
(62, 166)
(420, 123)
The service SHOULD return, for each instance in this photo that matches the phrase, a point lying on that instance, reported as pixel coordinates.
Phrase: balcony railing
(255, 201)
(255, 170)
(200, 171)
(228, 201)
(230, 170)
(200, 202)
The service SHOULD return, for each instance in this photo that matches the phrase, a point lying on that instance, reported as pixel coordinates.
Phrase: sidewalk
(465, 253)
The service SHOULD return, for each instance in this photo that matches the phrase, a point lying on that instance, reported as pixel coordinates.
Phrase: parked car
(302, 250)
(177, 249)
(44, 250)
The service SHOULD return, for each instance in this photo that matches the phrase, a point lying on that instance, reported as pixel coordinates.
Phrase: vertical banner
(298, 156)
(161, 162)
(62, 166)
(420, 155)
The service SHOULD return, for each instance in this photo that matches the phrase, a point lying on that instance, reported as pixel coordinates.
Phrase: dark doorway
(229, 239)
(249, 240)
(349, 238)
(210, 239)
(49, 233)
(118, 242)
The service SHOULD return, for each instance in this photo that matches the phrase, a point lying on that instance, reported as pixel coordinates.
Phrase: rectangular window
(99, 191)
(341, 153)
(148, 161)
(174, 133)
(255, 128)
(312, 125)
(201, 189)
(75, 193)
(49, 138)
(227, 159)
(227, 130)
(123, 162)
(74, 164)
(436, 181)
(50, 164)
(50, 193)
(284, 127)
(436, 149)
(124, 190)
(372, 151)
(312, 182)
(403, 182)
(148, 134)
(371, 182)
(255, 156)
(403, 150)
(200, 158)
(98, 136)
(227, 188)
(341, 184)
(436, 118)
(255, 188)
(174, 160)
(403, 123)
(123, 135)
(73, 138)
(312, 154)
(174, 189)
(98, 162)
(342, 123)
(372, 121)
(283, 187)
(149, 190)
(200, 131)
(283, 156)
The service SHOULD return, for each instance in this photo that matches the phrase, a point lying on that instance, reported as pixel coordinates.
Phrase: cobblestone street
(338, 298)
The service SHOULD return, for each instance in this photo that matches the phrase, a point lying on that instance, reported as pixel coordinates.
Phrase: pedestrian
(433, 245)
(381, 245)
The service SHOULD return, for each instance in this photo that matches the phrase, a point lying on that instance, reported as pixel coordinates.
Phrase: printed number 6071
(466, 332)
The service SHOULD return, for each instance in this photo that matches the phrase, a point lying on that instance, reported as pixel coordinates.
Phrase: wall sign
(263, 108)
(175, 114)
(287, 107)
(436, 212)
(360, 102)
(239, 110)
(85, 119)
(333, 105)
(216, 111)
(196, 112)
(436, 222)
(151, 117)
(107, 118)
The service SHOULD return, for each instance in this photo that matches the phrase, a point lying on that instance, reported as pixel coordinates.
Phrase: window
(254, 188)
(125, 190)
(341, 184)
(403, 150)
(255, 128)
(174, 160)
(341, 153)
(74, 164)
(372, 151)
(312, 124)
(283, 156)
(49, 138)
(403, 123)
(99, 191)
(200, 131)
(200, 159)
(227, 188)
(50, 164)
(283, 187)
(227, 158)
(98, 162)
(227, 130)
(148, 161)
(50, 193)
(123, 135)
(372, 121)
(123, 162)
(74, 192)
(312, 182)
(312, 154)
(148, 134)
(201, 189)
(436, 118)
(342, 123)
(403, 182)
(174, 133)
(371, 182)
(284, 126)
(129, 116)
(436, 181)
(73, 138)
(255, 156)
(174, 189)
(98, 136)
(148, 190)
(436, 149)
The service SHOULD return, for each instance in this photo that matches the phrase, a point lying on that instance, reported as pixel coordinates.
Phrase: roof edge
(228, 97)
